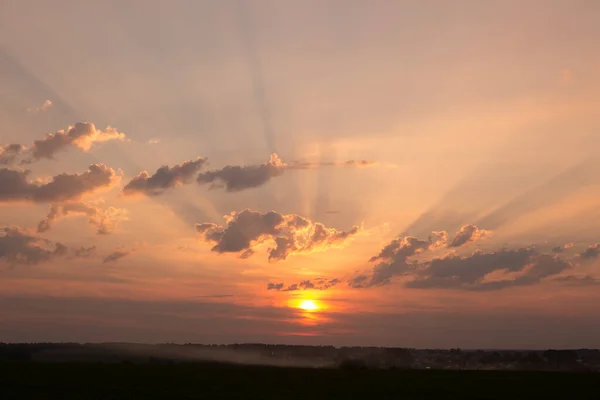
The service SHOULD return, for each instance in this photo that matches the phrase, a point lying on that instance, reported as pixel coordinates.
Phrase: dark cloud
(9, 153)
(478, 271)
(104, 220)
(116, 256)
(393, 258)
(578, 280)
(232, 178)
(82, 135)
(164, 178)
(470, 273)
(561, 249)
(466, 235)
(315, 284)
(290, 234)
(235, 178)
(14, 185)
(19, 247)
(85, 252)
(275, 286)
(524, 265)
(592, 252)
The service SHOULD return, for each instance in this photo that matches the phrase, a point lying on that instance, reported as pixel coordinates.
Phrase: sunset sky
(345, 172)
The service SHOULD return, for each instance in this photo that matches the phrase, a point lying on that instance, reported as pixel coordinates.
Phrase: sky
(425, 172)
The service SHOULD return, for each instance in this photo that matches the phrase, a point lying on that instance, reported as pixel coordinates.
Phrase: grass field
(197, 381)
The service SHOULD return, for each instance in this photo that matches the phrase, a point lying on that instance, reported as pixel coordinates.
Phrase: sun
(308, 305)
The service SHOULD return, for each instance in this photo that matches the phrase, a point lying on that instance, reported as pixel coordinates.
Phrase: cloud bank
(285, 234)
(406, 258)
(478, 271)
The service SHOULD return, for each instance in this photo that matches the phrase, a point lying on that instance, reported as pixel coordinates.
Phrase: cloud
(315, 284)
(392, 261)
(592, 252)
(235, 178)
(122, 252)
(164, 178)
(44, 107)
(393, 258)
(82, 135)
(19, 247)
(466, 235)
(290, 234)
(275, 286)
(104, 220)
(578, 280)
(470, 273)
(478, 271)
(85, 252)
(232, 178)
(116, 256)
(14, 185)
(153, 141)
(10, 153)
(561, 249)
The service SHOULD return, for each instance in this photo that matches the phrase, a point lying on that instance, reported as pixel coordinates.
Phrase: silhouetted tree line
(343, 357)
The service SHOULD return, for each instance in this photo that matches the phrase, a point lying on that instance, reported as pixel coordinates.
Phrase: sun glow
(308, 305)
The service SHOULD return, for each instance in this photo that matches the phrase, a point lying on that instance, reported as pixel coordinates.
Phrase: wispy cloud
(46, 105)
(104, 220)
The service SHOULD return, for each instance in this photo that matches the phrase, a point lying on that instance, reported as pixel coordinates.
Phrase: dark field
(198, 381)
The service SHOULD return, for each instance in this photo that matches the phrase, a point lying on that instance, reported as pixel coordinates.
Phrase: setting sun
(308, 305)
